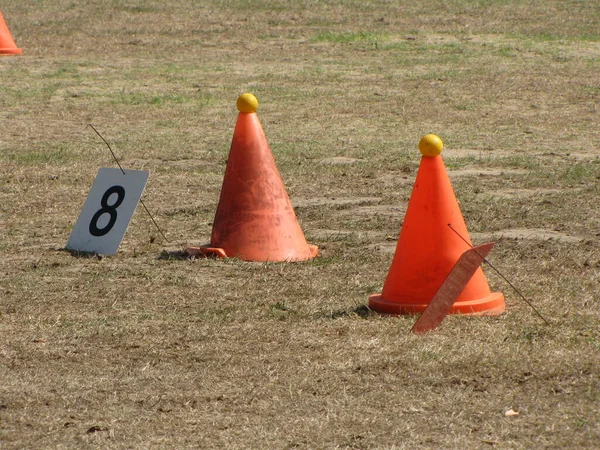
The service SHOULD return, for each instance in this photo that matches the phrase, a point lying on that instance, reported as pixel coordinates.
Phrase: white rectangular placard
(107, 211)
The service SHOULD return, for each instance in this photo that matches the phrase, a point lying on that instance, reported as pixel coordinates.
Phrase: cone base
(206, 251)
(492, 305)
(11, 51)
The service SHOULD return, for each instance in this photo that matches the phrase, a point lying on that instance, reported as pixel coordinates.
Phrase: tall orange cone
(432, 239)
(255, 220)
(7, 44)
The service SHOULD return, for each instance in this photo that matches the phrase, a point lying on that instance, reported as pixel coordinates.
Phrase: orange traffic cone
(7, 44)
(255, 220)
(432, 239)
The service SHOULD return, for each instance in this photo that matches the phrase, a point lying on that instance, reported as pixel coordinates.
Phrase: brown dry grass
(147, 350)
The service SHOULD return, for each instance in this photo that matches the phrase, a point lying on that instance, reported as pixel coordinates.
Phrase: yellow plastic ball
(247, 103)
(430, 145)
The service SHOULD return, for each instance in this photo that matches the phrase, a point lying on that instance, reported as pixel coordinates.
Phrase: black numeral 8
(107, 209)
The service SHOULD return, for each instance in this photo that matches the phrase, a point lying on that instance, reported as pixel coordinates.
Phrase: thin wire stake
(154, 222)
(109, 148)
(503, 277)
(118, 164)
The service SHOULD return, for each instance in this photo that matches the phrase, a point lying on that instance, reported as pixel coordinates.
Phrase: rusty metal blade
(441, 303)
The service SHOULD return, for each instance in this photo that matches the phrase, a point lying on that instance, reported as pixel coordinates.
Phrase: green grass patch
(53, 155)
(151, 99)
(348, 37)
(581, 173)
(38, 93)
(64, 71)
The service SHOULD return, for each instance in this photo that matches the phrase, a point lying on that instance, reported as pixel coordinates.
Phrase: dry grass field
(150, 349)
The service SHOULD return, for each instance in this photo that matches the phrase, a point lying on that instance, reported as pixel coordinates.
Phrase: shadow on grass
(362, 311)
(171, 255)
(82, 254)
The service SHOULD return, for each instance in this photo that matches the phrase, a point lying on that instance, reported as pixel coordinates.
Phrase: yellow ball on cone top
(247, 103)
(430, 145)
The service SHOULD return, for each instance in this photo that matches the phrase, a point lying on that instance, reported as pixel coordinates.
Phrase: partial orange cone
(255, 220)
(432, 239)
(7, 44)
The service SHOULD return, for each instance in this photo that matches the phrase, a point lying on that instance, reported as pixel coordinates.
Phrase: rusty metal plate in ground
(453, 285)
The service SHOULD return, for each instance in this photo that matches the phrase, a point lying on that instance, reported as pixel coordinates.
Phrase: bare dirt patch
(333, 201)
(529, 234)
(483, 172)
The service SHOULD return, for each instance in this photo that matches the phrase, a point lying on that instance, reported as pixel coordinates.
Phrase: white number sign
(107, 211)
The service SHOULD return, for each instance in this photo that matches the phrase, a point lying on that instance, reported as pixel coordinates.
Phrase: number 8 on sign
(111, 210)
(107, 211)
